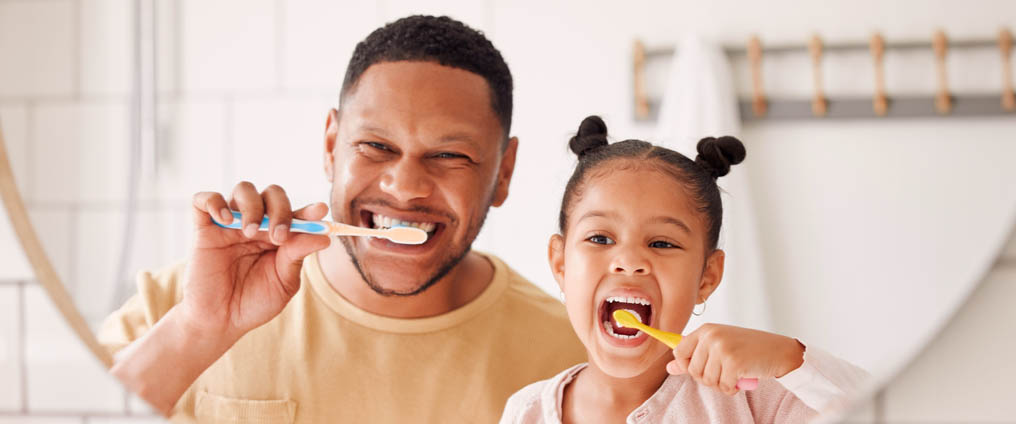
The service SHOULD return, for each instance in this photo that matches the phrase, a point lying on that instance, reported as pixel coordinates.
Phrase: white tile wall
(318, 38)
(161, 239)
(106, 40)
(191, 151)
(37, 47)
(10, 349)
(86, 152)
(281, 141)
(62, 375)
(54, 229)
(14, 124)
(476, 14)
(99, 236)
(40, 420)
(15, 264)
(228, 45)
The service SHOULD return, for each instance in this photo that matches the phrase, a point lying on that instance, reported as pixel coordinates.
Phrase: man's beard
(450, 262)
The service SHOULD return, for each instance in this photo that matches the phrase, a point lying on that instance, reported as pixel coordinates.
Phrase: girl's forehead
(639, 194)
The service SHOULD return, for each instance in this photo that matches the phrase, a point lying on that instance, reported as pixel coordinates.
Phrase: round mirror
(861, 236)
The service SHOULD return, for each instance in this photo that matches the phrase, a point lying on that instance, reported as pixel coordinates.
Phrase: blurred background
(864, 235)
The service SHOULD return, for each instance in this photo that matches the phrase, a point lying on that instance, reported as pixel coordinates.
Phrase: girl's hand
(718, 355)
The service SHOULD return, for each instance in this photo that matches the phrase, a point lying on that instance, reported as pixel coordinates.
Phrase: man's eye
(662, 245)
(600, 239)
(378, 146)
(448, 155)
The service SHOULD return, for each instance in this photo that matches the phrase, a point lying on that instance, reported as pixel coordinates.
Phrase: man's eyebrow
(458, 136)
(374, 129)
(671, 220)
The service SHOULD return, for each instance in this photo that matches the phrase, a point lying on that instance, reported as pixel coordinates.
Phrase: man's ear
(555, 255)
(331, 134)
(711, 275)
(505, 171)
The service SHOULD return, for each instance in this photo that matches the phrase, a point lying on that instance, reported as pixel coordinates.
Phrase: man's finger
(312, 212)
(290, 257)
(252, 208)
(208, 204)
(279, 211)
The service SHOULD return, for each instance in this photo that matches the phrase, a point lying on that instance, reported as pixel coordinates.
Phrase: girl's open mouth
(639, 306)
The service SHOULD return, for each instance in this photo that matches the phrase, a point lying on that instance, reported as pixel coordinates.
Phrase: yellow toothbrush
(626, 319)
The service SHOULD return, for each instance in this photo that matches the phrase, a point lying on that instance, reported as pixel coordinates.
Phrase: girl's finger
(687, 346)
(728, 379)
(711, 375)
(674, 367)
(697, 366)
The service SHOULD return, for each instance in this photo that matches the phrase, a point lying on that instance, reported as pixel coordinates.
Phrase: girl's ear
(712, 274)
(555, 255)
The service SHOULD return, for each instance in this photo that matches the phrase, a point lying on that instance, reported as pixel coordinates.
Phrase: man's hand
(235, 282)
(239, 280)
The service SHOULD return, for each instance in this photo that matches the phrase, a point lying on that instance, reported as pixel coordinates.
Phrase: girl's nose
(631, 265)
(407, 180)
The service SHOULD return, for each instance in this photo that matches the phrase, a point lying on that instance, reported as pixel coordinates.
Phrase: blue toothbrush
(402, 235)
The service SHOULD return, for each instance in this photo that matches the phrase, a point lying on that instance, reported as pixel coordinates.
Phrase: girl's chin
(626, 366)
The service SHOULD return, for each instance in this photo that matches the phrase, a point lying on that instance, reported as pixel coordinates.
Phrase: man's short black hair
(441, 40)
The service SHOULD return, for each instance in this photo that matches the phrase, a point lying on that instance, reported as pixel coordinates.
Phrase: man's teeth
(629, 299)
(381, 221)
(610, 331)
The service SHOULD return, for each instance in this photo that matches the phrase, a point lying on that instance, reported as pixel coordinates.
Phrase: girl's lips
(635, 301)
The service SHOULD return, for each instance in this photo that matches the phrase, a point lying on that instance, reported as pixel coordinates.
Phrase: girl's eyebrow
(663, 219)
(671, 220)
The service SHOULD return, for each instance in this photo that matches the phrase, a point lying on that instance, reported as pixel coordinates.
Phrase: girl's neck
(597, 393)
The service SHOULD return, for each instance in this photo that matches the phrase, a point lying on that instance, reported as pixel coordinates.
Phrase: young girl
(639, 227)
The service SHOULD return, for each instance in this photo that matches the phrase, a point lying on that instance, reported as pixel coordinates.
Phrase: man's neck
(462, 284)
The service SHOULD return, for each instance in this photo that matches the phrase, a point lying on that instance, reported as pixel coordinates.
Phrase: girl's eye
(600, 239)
(662, 245)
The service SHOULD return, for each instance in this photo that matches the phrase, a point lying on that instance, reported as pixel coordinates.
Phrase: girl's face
(634, 241)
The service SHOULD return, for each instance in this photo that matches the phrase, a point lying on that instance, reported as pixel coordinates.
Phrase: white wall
(239, 79)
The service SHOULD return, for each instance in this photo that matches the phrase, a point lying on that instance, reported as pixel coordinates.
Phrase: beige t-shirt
(323, 360)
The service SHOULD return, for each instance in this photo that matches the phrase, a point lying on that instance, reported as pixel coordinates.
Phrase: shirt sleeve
(157, 293)
(824, 382)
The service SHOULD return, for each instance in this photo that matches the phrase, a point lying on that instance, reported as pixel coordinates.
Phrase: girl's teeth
(610, 331)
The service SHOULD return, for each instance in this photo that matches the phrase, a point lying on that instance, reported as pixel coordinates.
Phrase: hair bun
(716, 155)
(592, 134)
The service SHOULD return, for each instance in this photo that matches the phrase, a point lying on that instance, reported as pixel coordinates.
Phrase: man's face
(416, 143)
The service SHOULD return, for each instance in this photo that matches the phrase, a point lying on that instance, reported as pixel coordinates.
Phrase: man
(273, 326)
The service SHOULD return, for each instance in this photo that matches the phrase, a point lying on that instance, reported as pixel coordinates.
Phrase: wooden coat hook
(1005, 45)
(819, 104)
(639, 79)
(943, 101)
(758, 104)
(880, 102)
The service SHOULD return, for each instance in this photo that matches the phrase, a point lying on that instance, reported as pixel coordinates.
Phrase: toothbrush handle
(297, 226)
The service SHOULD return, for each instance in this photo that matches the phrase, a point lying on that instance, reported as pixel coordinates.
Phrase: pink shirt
(823, 383)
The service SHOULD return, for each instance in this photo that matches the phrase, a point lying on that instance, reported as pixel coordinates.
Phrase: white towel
(700, 101)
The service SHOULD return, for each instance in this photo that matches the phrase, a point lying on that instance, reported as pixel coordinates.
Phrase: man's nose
(407, 180)
(630, 263)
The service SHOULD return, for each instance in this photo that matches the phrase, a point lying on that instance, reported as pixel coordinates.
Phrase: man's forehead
(400, 96)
